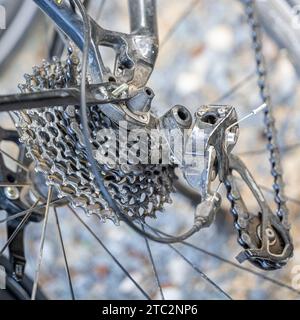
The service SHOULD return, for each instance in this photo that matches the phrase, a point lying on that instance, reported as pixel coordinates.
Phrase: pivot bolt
(120, 89)
(12, 193)
(144, 117)
(230, 138)
(200, 113)
(222, 111)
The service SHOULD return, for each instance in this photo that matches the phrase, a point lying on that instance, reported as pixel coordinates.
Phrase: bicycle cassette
(54, 141)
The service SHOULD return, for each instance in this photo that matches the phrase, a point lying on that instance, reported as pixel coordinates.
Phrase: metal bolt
(144, 117)
(222, 111)
(245, 238)
(271, 236)
(235, 195)
(117, 92)
(213, 175)
(270, 233)
(12, 193)
(200, 113)
(230, 138)
(242, 223)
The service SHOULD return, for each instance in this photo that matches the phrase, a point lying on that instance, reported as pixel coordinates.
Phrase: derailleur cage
(265, 238)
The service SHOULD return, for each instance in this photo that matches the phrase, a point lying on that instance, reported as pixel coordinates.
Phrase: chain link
(269, 121)
(265, 236)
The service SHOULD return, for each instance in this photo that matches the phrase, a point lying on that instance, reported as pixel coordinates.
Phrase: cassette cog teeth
(53, 140)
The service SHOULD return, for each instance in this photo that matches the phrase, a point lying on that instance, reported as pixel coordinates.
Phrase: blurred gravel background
(207, 53)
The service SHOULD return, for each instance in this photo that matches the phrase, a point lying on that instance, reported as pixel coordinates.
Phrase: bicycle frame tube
(142, 15)
(136, 52)
(71, 24)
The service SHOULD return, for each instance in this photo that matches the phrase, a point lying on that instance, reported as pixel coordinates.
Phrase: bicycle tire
(282, 23)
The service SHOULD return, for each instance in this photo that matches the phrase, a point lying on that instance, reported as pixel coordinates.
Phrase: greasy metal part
(12, 193)
(265, 236)
(70, 23)
(141, 102)
(207, 152)
(129, 105)
(209, 134)
(59, 97)
(17, 290)
(270, 129)
(266, 240)
(207, 209)
(54, 140)
(177, 117)
(135, 53)
(174, 124)
(53, 137)
(135, 57)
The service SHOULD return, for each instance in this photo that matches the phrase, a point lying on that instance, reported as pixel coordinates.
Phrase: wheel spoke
(41, 248)
(236, 265)
(111, 255)
(197, 269)
(11, 117)
(22, 213)
(178, 22)
(153, 266)
(274, 281)
(269, 190)
(202, 274)
(64, 254)
(19, 227)
(14, 160)
(284, 149)
(236, 87)
(287, 197)
(19, 185)
(243, 82)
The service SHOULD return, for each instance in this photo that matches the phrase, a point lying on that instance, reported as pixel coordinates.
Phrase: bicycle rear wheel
(281, 19)
(19, 16)
(120, 254)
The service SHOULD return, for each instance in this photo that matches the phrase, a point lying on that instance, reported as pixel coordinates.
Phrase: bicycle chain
(264, 236)
(271, 134)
